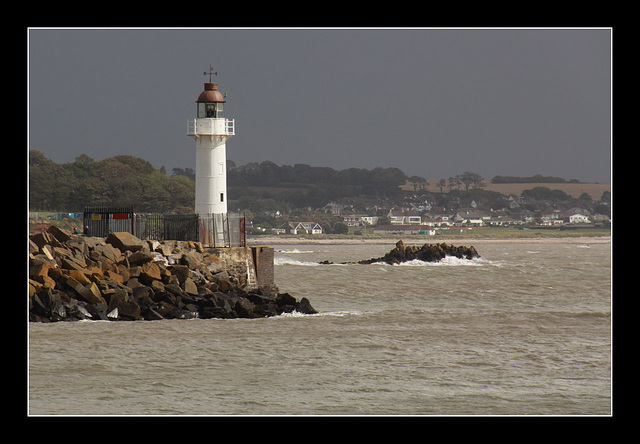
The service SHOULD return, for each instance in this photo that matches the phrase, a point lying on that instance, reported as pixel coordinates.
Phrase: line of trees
(120, 180)
(538, 178)
(126, 180)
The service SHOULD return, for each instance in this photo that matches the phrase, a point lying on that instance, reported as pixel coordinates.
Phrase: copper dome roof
(210, 94)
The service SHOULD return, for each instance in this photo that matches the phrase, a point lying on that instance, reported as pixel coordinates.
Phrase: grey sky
(432, 102)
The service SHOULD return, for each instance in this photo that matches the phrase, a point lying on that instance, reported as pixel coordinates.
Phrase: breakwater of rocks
(124, 278)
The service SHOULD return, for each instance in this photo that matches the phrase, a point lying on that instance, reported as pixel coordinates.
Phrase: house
(333, 208)
(436, 221)
(502, 221)
(471, 217)
(370, 220)
(404, 217)
(578, 219)
(551, 218)
(358, 220)
(299, 228)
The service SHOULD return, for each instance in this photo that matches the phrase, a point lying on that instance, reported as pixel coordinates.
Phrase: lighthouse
(211, 129)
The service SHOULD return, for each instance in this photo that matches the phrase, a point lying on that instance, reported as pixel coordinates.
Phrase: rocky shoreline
(123, 278)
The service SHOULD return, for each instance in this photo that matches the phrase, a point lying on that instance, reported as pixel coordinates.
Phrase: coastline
(421, 240)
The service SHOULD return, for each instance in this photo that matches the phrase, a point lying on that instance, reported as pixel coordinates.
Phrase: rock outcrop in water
(125, 278)
(427, 253)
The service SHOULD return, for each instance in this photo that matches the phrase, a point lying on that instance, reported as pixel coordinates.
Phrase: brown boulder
(109, 251)
(60, 234)
(140, 257)
(124, 241)
(45, 238)
(150, 271)
(190, 287)
(180, 271)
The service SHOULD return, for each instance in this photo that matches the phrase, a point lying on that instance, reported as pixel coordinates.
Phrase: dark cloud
(432, 102)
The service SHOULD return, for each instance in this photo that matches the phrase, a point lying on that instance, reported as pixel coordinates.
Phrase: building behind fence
(214, 230)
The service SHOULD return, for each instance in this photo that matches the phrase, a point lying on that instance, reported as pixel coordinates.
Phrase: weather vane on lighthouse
(211, 130)
(211, 72)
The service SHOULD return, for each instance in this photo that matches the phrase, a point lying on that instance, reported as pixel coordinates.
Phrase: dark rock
(243, 307)
(150, 314)
(427, 253)
(285, 299)
(304, 306)
(259, 299)
(144, 297)
(127, 307)
(98, 311)
(266, 310)
(285, 308)
(77, 310)
(214, 312)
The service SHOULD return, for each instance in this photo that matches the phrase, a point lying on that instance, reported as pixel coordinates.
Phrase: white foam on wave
(342, 313)
(448, 261)
(294, 251)
(289, 261)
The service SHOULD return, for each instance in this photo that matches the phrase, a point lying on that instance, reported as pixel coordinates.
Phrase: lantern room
(210, 102)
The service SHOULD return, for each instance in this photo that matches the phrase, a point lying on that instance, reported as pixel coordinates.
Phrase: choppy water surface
(525, 329)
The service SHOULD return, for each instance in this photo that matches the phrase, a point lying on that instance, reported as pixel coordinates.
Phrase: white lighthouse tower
(211, 130)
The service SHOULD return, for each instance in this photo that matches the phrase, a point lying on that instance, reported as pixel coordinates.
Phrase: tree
(340, 228)
(468, 178)
(441, 184)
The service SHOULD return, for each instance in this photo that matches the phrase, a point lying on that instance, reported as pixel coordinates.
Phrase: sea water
(523, 330)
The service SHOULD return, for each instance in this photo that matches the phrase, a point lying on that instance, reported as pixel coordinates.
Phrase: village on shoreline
(420, 240)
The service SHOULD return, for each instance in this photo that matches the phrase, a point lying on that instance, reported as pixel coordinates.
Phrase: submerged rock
(427, 253)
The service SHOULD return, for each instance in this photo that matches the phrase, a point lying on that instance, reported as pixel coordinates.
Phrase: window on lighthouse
(211, 110)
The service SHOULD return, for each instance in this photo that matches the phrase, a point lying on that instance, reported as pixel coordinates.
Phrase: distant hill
(575, 190)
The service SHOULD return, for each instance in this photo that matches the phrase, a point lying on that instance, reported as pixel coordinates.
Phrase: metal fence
(100, 221)
(214, 230)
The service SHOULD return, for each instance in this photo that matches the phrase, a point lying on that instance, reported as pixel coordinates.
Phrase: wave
(288, 261)
(294, 251)
(341, 313)
(448, 261)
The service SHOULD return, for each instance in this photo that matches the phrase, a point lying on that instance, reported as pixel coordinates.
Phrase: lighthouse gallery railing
(211, 127)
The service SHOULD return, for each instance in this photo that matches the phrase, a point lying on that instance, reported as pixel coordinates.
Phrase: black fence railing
(214, 230)
(100, 221)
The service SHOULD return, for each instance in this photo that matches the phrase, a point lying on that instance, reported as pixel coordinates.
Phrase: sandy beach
(290, 240)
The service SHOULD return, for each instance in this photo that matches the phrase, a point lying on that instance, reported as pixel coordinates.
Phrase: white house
(578, 219)
(471, 218)
(299, 228)
(400, 217)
